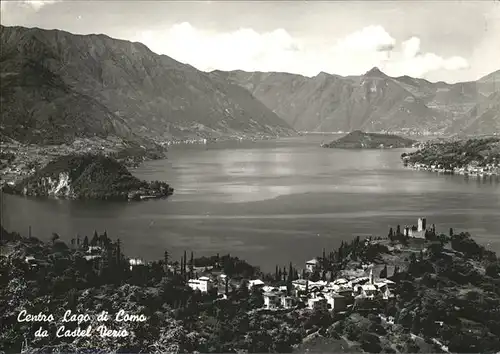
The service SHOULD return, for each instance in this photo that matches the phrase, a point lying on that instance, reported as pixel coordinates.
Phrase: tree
(86, 242)
(191, 265)
(184, 268)
(118, 250)
(396, 271)
(383, 272)
(398, 231)
(391, 234)
(451, 232)
(166, 258)
(54, 237)
(95, 239)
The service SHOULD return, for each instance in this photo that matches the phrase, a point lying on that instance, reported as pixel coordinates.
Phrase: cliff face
(59, 186)
(56, 85)
(88, 177)
(371, 102)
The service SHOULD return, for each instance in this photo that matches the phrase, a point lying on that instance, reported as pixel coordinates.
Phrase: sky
(449, 41)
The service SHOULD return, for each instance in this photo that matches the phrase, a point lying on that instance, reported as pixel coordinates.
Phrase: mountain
(57, 86)
(370, 102)
(88, 177)
(484, 118)
(489, 83)
(361, 140)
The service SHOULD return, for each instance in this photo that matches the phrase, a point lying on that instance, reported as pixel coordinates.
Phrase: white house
(286, 302)
(300, 284)
(255, 282)
(312, 265)
(268, 288)
(203, 284)
(317, 302)
(369, 291)
(135, 262)
(385, 287)
(94, 256)
(340, 281)
(271, 300)
(94, 249)
(336, 301)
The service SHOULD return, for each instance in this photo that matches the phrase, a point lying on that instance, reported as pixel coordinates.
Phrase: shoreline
(462, 171)
(374, 279)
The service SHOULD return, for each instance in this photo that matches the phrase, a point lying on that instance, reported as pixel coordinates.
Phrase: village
(471, 170)
(337, 293)
(359, 284)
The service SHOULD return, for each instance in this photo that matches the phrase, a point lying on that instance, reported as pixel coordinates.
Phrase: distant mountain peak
(375, 72)
(494, 76)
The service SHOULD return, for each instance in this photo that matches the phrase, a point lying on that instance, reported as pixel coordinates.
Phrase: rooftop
(269, 294)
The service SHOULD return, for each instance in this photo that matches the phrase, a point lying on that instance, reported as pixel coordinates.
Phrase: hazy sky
(448, 40)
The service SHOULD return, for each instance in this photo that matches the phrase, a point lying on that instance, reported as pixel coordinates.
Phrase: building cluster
(416, 231)
(335, 295)
(472, 170)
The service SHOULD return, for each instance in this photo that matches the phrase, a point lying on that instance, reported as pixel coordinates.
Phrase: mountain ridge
(373, 101)
(54, 75)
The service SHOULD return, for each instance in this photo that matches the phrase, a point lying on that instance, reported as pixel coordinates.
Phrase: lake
(269, 202)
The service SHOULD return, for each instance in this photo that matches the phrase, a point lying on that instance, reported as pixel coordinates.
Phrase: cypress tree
(185, 263)
(118, 251)
(95, 239)
(191, 265)
(383, 272)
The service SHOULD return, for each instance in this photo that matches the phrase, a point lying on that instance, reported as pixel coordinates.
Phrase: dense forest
(361, 140)
(447, 296)
(451, 154)
(88, 176)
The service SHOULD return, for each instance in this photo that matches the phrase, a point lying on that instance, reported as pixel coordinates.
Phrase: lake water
(270, 202)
